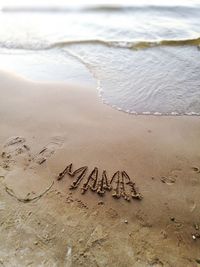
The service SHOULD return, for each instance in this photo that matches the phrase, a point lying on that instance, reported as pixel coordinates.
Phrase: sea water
(143, 57)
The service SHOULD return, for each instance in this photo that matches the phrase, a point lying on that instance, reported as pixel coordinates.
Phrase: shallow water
(145, 58)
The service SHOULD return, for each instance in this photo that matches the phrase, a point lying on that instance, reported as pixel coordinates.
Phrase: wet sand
(44, 128)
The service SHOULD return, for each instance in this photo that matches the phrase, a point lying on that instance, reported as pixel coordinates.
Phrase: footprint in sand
(15, 150)
(168, 180)
(14, 140)
(48, 150)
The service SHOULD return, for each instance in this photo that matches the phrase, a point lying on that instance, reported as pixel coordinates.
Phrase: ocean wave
(149, 113)
(139, 44)
(143, 8)
(185, 75)
(191, 7)
(135, 45)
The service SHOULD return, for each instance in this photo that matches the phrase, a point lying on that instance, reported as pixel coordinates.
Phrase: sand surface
(45, 127)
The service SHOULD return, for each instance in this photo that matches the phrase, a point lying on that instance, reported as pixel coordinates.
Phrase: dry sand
(43, 128)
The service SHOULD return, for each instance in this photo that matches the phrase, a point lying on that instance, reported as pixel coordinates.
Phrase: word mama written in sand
(120, 183)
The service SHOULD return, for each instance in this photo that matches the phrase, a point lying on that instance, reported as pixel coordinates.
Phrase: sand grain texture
(45, 127)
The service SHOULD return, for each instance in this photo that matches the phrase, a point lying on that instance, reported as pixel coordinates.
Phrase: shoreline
(62, 124)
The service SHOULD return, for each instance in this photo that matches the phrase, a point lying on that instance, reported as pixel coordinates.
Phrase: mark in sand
(15, 149)
(196, 169)
(27, 198)
(48, 150)
(168, 180)
(120, 183)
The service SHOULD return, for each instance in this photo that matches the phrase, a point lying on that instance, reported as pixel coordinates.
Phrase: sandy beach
(45, 127)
